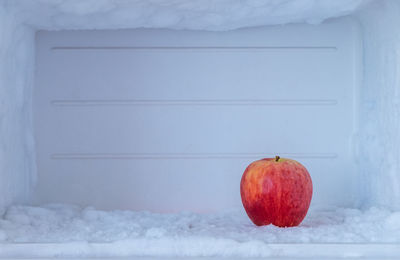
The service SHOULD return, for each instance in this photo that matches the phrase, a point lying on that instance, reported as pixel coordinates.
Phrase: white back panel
(168, 120)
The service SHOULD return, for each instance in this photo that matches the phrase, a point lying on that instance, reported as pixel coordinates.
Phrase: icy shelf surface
(186, 233)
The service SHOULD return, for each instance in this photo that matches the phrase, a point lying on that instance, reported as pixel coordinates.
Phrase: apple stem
(277, 158)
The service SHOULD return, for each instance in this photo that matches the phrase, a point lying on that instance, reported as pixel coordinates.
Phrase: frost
(177, 14)
(227, 233)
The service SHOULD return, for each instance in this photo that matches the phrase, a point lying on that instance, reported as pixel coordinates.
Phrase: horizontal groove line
(276, 102)
(94, 156)
(288, 244)
(194, 48)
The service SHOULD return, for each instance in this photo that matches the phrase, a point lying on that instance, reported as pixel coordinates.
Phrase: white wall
(17, 167)
(380, 104)
(168, 120)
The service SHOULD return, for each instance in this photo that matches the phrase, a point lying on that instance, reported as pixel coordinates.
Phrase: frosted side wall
(17, 163)
(380, 105)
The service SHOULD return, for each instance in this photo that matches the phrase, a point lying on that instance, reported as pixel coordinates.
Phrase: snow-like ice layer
(226, 234)
(17, 165)
(176, 14)
(380, 104)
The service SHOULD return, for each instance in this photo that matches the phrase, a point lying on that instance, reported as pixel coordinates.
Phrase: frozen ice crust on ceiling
(175, 14)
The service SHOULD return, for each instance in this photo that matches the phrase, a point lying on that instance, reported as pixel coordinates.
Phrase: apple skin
(276, 191)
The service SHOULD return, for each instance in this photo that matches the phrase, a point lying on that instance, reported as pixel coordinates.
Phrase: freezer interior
(126, 126)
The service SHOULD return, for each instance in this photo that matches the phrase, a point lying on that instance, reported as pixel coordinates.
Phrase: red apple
(276, 191)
